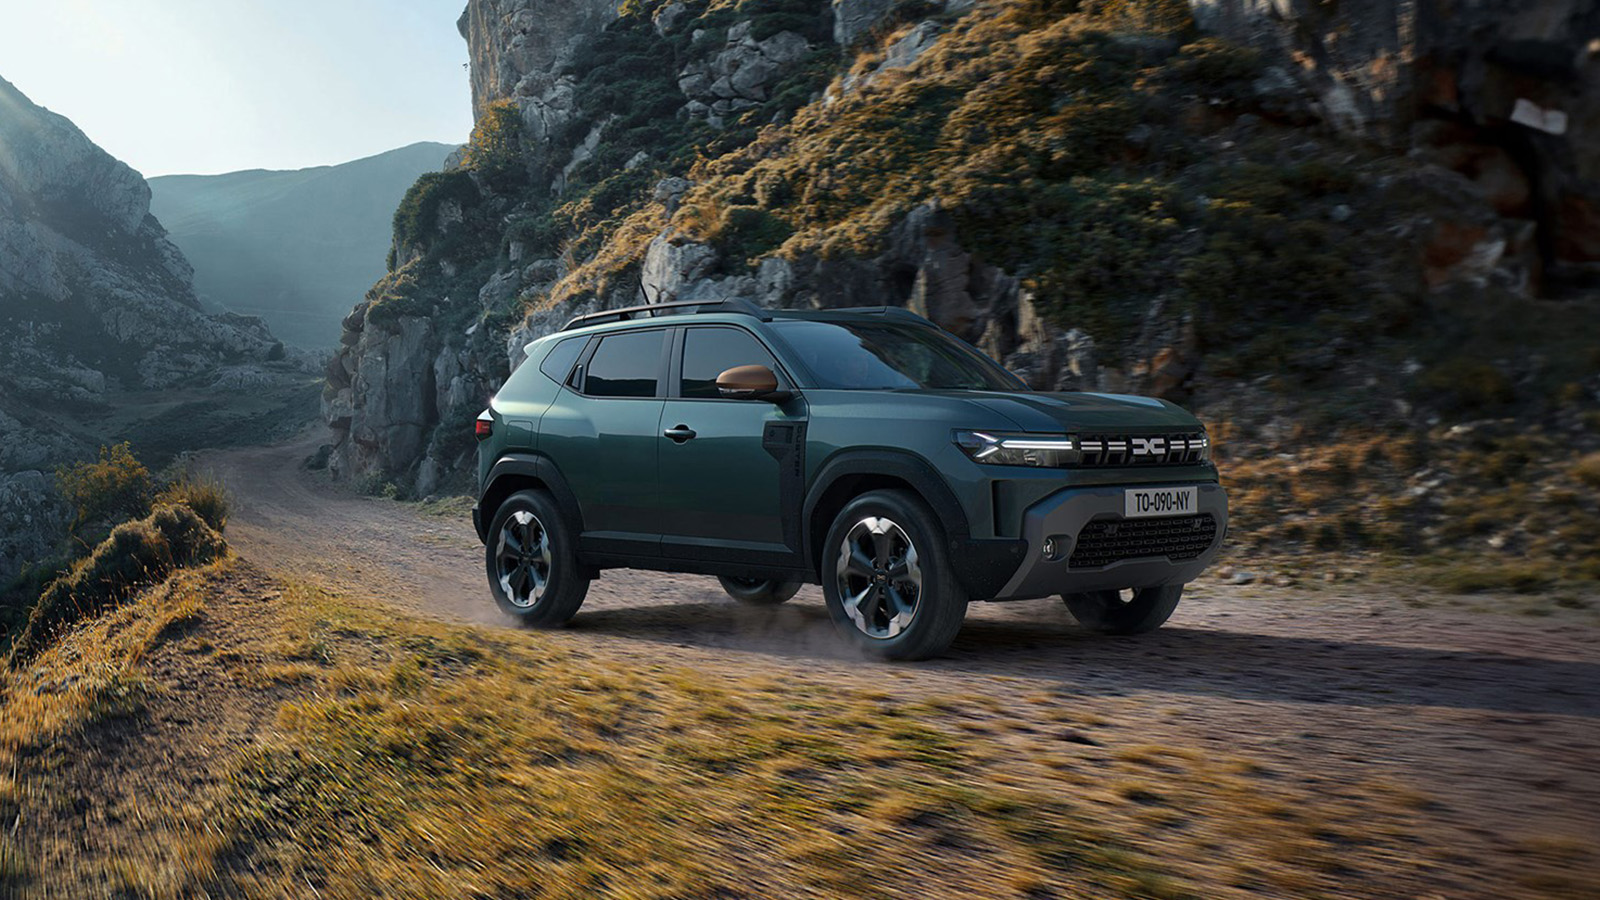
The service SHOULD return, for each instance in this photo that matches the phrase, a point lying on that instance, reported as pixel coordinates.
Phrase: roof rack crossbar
(623, 314)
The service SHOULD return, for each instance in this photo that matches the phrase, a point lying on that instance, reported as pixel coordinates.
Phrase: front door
(731, 473)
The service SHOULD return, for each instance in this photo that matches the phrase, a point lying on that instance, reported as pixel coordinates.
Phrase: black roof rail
(898, 312)
(623, 314)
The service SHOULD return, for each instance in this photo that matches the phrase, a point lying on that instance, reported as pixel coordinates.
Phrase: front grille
(1143, 449)
(1106, 541)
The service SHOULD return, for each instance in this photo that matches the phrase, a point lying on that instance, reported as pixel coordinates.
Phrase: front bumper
(1064, 515)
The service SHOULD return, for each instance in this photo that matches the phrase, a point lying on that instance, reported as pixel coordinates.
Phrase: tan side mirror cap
(750, 383)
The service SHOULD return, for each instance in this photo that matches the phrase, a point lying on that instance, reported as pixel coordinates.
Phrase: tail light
(484, 426)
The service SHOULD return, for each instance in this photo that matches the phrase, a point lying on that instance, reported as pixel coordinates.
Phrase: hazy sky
(206, 86)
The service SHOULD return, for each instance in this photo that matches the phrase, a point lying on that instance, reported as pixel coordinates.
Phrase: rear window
(625, 365)
(558, 362)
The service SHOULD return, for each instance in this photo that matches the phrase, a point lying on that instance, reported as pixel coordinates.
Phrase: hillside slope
(293, 247)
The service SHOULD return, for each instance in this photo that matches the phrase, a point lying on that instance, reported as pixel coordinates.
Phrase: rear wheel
(532, 565)
(1133, 611)
(759, 591)
(887, 578)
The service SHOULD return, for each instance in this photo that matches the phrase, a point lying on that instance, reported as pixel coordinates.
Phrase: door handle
(679, 433)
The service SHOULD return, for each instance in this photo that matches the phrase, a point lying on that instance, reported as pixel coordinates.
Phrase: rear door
(605, 436)
(732, 489)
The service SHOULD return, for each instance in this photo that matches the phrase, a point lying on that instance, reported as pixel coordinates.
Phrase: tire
(887, 577)
(544, 586)
(758, 591)
(1107, 612)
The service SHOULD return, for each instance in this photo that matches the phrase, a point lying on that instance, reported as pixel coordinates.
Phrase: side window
(625, 365)
(558, 362)
(708, 352)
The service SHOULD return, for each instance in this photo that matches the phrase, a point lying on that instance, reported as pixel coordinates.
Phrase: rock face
(852, 19)
(514, 45)
(92, 294)
(1503, 92)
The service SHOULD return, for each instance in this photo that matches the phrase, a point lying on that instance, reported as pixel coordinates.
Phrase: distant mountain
(297, 248)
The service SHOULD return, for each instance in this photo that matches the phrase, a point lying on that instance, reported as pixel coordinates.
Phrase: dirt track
(1494, 721)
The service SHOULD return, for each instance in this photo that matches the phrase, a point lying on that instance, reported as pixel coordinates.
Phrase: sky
(209, 86)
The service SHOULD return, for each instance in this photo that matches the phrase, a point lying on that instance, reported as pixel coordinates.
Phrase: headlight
(1001, 449)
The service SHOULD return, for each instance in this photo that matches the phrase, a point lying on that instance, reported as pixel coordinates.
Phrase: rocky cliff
(93, 300)
(1207, 200)
(91, 290)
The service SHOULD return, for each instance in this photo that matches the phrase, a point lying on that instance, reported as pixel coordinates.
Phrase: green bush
(114, 488)
(1096, 245)
(746, 232)
(136, 555)
(416, 219)
(497, 149)
(1222, 69)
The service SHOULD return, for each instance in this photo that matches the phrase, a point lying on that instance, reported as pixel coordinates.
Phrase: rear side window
(625, 365)
(558, 362)
(708, 352)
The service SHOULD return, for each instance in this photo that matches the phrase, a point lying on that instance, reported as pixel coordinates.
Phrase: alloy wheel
(879, 578)
(523, 559)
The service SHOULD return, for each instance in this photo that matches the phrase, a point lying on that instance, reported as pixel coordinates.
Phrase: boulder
(671, 262)
(906, 50)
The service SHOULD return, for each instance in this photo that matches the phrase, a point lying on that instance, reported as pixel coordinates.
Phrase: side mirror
(750, 383)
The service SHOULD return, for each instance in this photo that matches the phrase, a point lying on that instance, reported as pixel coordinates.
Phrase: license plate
(1144, 503)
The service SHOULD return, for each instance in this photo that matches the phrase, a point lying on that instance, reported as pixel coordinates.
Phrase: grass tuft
(134, 556)
(203, 494)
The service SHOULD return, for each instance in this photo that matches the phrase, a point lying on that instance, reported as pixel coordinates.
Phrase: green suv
(867, 450)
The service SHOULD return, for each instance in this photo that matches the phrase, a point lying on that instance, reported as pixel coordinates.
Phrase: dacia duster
(867, 450)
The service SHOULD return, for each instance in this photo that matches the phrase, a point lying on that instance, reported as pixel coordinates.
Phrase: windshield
(877, 356)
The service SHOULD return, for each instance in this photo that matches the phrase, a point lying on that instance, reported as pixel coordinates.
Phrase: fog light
(1054, 546)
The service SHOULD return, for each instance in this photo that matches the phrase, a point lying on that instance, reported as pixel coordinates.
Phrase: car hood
(1057, 412)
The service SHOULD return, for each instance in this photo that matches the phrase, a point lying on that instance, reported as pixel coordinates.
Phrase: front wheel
(532, 564)
(1124, 612)
(758, 591)
(887, 577)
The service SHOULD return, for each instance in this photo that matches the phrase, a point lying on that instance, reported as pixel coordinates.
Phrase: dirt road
(1488, 724)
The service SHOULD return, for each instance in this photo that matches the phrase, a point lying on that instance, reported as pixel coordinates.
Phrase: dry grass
(393, 755)
(1587, 470)
(1488, 507)
(446, 761)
